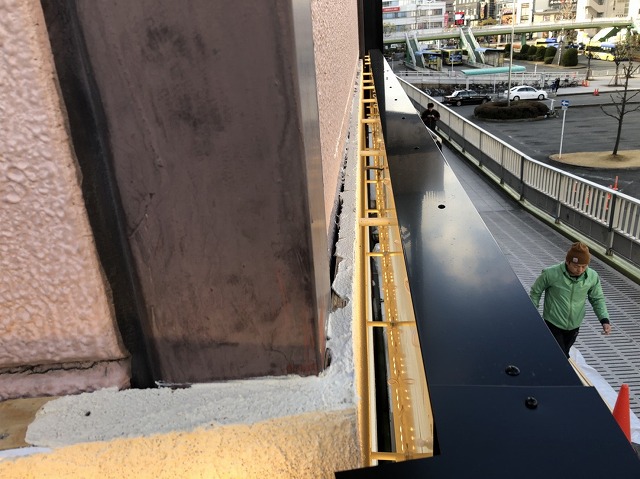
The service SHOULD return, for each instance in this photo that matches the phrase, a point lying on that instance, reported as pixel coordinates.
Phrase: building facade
(399, 16)
(586, 9)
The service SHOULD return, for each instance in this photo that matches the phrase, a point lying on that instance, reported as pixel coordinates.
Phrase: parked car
(526, 92)
(465, 97)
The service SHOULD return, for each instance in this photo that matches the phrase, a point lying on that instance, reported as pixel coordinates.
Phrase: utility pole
(513, 25)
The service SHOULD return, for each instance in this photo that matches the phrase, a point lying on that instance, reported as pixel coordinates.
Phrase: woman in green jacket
(566, 287)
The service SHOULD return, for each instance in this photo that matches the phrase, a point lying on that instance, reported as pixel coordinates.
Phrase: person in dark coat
(430, 117)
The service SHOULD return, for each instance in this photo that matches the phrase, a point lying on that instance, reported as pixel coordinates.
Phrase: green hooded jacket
(565, 296)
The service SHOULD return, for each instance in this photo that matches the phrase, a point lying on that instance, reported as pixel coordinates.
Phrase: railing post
(502, 165)
(558, 199)
(464, 139)
(612, 214)
(521, 178)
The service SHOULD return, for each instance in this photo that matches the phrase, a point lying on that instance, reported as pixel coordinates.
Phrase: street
(586, 128)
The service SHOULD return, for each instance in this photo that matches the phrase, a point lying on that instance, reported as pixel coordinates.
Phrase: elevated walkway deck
(530, 245)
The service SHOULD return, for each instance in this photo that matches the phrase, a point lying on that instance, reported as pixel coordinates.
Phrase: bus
(432, 59)
(452, 56)
(601, 51)
(547, 42)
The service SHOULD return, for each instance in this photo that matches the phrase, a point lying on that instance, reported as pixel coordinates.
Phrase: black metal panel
(585, 225)
(474, 151)
(540, 200)
(475, 322)
(511, 180)
(492, 166)
(490, 432)
(474, 316)
(370, 15)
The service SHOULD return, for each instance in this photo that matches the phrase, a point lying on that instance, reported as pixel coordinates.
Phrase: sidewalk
(602, 84)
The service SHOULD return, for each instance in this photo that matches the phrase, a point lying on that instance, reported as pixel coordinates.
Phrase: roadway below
(586, 129)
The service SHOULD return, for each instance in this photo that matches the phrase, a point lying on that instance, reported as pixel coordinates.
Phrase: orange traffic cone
(621, 411)
(596, 92)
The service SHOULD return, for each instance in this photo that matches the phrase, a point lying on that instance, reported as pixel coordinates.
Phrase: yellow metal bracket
(411, 417)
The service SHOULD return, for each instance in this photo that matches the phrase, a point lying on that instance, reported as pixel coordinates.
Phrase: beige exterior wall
(54, 304)
(335, 36)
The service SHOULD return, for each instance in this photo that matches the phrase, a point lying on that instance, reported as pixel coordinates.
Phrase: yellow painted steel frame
(412, 419)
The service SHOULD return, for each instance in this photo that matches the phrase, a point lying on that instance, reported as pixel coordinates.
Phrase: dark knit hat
(579, 254)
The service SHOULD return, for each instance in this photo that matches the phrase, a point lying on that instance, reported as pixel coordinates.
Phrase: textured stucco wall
(336, 50)
(309, 446)
(54, 306)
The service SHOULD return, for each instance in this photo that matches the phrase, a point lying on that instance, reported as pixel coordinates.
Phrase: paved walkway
(531, 245)
(602, 85)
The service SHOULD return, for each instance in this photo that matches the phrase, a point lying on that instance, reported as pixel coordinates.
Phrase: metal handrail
(411, 420)
(601, 215)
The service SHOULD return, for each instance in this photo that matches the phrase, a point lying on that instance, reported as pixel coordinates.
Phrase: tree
(569, 57)
(622, 52)
(589, 55)
(568, 9)
(388, 28)
(623, 106)
(617, 58)
(487, 21)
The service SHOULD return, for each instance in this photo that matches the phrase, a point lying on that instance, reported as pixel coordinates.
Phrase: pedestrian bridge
(443, 281)
(456, 32)
(467, 36)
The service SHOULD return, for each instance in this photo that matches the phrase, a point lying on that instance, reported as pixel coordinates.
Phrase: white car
(526, 92)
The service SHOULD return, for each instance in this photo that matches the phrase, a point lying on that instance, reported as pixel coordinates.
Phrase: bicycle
(551, 113)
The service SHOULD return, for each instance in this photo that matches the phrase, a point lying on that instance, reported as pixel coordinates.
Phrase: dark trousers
(564, 337)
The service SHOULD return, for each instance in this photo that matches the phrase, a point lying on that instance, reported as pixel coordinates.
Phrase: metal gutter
(405, 384)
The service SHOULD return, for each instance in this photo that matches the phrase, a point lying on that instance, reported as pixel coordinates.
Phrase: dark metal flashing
(90, 137)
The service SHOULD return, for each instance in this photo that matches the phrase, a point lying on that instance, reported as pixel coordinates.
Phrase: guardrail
(448, 77)
(602, 215)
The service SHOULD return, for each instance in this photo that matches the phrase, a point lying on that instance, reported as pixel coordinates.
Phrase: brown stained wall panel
(203, 120)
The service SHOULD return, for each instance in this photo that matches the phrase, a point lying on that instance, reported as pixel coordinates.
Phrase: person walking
(430, 117)
(556, 85)
(566, 287)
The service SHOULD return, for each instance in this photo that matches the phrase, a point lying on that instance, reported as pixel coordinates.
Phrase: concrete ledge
(307, 446)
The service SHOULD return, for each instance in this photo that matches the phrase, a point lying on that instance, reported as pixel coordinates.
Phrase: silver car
(526, 92)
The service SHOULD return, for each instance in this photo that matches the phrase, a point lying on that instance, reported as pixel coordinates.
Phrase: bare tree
(589, 55)
(623, 106)
(568, 9)
(388, 28)
(621, 53)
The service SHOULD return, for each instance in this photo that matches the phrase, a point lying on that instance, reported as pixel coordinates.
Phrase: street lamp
(513, 23)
